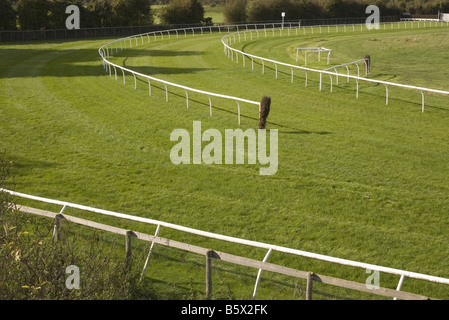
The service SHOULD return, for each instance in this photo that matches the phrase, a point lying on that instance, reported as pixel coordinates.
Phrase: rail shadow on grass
(205, 103)
(31, 63)
(407, 96)
(130, 53)
(153, 71)
(231, 276)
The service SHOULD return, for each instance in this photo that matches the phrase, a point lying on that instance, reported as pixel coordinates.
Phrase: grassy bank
(356, 179)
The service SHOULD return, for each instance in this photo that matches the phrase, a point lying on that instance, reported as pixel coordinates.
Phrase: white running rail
(256, 244)
(106, 50)
(229, 51)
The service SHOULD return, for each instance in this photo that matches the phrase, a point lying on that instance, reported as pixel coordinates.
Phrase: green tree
(132, 12)
(235, 11)
(100, 14)
(7, 15)
(309, 10)
(34, 266)
(182, 12)
(33, 14)
(57, 15)
(270, 10)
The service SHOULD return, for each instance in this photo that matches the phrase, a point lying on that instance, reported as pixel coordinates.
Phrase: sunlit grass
(357, 179)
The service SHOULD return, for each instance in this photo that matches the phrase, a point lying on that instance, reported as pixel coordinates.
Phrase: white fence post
(259, 273)
(149, 253)
(251, 243)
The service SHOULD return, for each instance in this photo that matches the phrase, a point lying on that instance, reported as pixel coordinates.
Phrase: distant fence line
(109, 48)
(261, 265)
(105, 32)
(233, 37)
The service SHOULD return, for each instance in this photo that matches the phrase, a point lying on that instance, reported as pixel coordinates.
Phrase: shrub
(270, 10)
(33, 266)
(235, 11)
(132, 13)
(7, 15)
(32, 14)
(182, 12)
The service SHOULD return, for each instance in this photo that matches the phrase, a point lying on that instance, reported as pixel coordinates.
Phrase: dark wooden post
(367, 63)
(209, 274)
(56, 232)
(264, 111)
(128, 248)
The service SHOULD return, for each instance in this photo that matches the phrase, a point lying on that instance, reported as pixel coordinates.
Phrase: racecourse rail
(231, 38)
(106, 50)
(255, 244)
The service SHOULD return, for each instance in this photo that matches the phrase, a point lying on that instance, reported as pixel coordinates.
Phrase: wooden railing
(210, 255)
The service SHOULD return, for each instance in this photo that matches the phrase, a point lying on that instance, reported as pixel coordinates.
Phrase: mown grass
(356, 179)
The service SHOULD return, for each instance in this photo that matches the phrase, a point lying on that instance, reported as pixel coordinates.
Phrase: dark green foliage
(51, 14)
(132, 12)
(235, 11)
(343, 9)
(100, 14)
(182, 12)
(33, 14)
(57, 15)
(7, 15)
(271, 10)
(33, 265)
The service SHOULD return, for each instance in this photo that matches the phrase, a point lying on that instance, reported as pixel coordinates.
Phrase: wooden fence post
(209, 274)
(56, 233)
(309, 288)
(128, 248)
(367, 63)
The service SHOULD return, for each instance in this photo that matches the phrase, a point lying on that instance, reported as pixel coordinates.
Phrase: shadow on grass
(130, 53)
(205, 103)
(54, 62)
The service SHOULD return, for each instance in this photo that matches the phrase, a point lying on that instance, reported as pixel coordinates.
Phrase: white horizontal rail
(251, 243)
(109, 47)
(182, 86)
(226, 39)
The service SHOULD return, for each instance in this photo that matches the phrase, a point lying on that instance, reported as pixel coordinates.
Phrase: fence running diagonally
(232, 38)
(261, 265)
(106, 50)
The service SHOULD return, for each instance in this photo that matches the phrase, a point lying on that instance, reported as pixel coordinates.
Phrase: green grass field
(357, 179)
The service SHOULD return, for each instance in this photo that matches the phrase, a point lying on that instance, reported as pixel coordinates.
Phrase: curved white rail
(108, 48)
(227, 40)
(104, 53)
(251, 243)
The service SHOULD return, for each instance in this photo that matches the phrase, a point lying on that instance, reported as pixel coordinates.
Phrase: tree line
(50, 14)
(269, 10)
